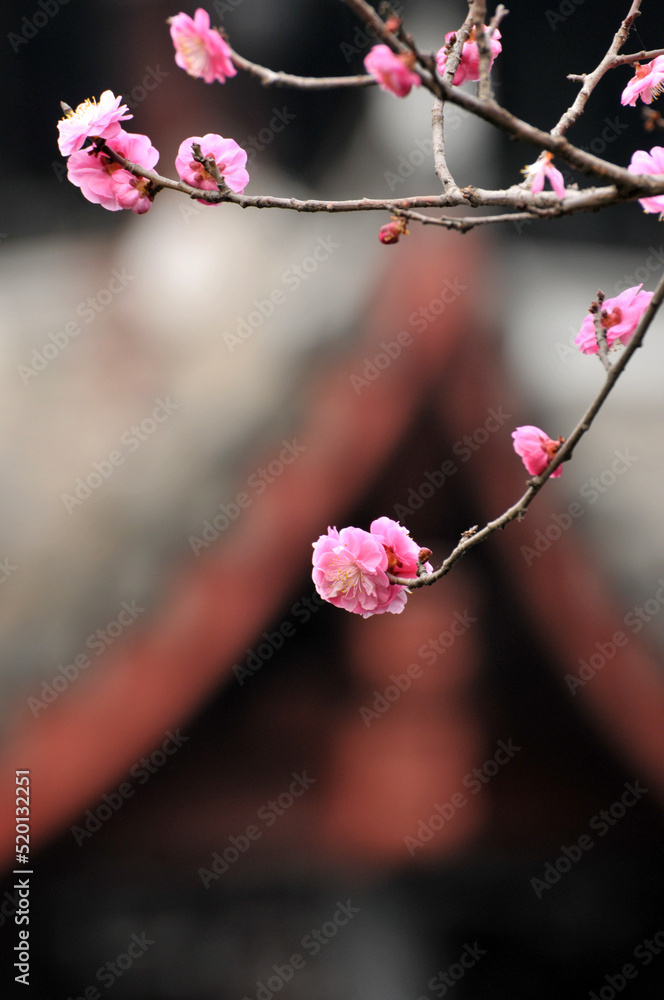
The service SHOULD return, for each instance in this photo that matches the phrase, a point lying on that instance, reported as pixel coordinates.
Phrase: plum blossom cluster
(104, 181)
(101, 179)
(202, 52)
(618, 317)
(350, 567)
(394, 72)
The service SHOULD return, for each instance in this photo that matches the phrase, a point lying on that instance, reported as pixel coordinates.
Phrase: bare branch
(591, 80)
(273, 78)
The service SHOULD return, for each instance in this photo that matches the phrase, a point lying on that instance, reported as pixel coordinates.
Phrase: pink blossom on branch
(536, 449)
(350, 567)
(619, 318)
(647, 83)
(350, 572)
(199, 49)
(469, 64)
(230, 158)
(392, 72)
(101, 121)
(402, 551)
(649, 163)
(104, 182)
(543, 170)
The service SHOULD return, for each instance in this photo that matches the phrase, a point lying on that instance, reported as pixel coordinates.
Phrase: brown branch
(543, 205)
(273, 78)
(438, 109)
(590, 81)
(635, 57)
(518, 510)
(464, 223)
(600, 332)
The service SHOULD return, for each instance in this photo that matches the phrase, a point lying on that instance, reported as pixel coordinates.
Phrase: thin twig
(600, 332)
(591, 80)
(274, 78)
(438, 110)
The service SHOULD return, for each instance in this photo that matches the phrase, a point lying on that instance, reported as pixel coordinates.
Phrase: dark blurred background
(237, 792)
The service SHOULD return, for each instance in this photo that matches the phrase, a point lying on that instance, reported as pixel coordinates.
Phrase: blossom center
(83, 111)
(612, 318)
(393, 561)
(195, 55)
(347, 577)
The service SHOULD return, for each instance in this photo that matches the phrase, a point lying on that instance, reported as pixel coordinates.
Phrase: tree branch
(518, 510)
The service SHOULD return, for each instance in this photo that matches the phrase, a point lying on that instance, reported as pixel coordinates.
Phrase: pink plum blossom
(469, 64)
(646, 83)
(536, 449)
(649, 163)
(392, 72)
(199, 49)
(402, 551)
(104, 182)
(90, 119)
(543, 170)
(620, 317)
(350, 571)
(230, 159)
